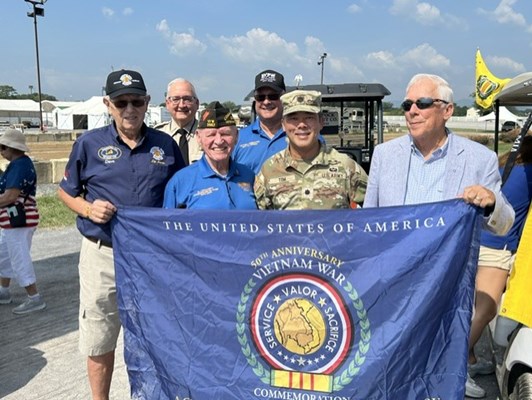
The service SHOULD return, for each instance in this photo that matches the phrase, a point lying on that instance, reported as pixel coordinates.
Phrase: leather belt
(100, 242)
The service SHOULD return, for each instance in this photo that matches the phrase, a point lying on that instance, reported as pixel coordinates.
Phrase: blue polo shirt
(102, 166)
(19, 174)
(199, 187)
(254, 146)
(518, 192)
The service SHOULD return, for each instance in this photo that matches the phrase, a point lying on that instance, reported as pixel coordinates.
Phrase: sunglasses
(422, 103)
(271, 97)
(123, 103)
(187, 100)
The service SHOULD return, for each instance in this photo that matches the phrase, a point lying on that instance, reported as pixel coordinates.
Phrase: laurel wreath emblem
(345, 376)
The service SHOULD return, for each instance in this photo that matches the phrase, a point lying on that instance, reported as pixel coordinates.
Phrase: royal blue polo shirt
(254, 146)
(102, 166)
(199, 187)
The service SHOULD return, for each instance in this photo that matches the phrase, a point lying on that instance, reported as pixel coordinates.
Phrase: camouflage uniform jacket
(332, 180)
(170, 127)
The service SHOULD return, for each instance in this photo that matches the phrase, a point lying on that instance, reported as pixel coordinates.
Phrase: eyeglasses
(123, 103)
(187, 100)
(422, 103)
(271, 97)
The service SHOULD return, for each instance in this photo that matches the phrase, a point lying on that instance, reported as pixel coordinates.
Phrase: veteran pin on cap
(271, 79)
(124, 82)
(215, 115)
(301, 100)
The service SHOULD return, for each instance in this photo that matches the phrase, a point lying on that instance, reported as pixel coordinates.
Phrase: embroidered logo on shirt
(157, 153)
(206, 191)
(245, 186)
(255, 143)
(109, 153)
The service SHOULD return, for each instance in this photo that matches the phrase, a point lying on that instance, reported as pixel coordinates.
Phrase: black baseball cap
(124, 82)
(271, 79)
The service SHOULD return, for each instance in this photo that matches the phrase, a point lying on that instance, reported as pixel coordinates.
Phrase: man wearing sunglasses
(124, 163)
(182, 103)
(265, 136)
(432, 163)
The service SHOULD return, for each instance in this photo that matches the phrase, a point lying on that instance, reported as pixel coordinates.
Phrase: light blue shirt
(198, 186)
(426, 177)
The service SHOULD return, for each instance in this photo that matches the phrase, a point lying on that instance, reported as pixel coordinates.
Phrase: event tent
(89, 114)
(504, 115)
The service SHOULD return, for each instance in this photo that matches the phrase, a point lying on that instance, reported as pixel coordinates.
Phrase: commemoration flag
(306, 305)
(487, 85)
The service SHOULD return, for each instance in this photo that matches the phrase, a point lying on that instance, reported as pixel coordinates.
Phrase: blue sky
(221, 45)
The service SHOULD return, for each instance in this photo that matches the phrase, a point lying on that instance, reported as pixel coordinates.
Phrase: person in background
(216, 181)
(18, 184)
(308, 174)
(122, 164)
(182, 103)
(497, 256)
(265, 136)
(432, 164)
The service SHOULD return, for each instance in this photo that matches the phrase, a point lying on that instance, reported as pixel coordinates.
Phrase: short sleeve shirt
(102, 166)
(198, 186)
(332, 180)
(20, 174)
(254, 146)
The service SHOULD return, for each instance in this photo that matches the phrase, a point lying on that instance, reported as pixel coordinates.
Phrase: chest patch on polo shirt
(109, 153)
(250, 144)
(157, 154)
(206, 191)
(245, 186)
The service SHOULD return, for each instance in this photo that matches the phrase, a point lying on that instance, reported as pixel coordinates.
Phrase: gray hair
(181, 80)
(442, 86)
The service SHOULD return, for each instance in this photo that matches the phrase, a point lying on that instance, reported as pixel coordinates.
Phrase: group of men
(128, 163)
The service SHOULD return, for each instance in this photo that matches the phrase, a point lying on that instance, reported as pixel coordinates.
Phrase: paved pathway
(39, 358)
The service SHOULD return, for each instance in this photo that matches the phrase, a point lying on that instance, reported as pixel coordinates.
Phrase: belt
(100, 242)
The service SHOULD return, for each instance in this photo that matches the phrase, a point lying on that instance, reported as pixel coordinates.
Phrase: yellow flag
(516, 304)
(486, 84)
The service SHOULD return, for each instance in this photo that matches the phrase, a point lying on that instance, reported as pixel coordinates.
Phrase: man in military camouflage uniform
(182, 103)
(308, 174)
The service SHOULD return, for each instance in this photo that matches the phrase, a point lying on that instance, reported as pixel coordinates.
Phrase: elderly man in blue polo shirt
(124, 163)
(216, 181)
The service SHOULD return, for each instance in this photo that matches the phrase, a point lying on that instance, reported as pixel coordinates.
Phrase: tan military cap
(301, 100)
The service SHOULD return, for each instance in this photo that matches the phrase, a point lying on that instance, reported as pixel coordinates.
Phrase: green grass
(53, 213)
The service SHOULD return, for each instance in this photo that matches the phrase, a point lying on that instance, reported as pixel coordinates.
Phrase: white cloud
(354, 8)
(505, 14)
(425, 56)
(426, 14)
(505, 63)
(107, 12)
(127, 11)
(181, 44)
(382, 59)
(258, 45)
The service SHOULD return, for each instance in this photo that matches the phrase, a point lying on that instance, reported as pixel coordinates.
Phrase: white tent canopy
(504, 115)
(89, 114)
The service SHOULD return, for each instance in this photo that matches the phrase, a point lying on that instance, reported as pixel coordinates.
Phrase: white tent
(89, 114)
(504, 115)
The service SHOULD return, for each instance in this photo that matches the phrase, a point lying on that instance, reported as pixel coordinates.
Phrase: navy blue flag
(308, 305)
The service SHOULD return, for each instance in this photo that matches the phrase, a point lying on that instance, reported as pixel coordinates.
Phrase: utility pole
(322, 63)
(38, 11)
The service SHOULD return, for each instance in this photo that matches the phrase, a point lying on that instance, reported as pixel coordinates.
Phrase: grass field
(53, 213)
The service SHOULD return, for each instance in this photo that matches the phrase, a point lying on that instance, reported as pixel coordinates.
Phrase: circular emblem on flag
(299, 321)
(303, 331)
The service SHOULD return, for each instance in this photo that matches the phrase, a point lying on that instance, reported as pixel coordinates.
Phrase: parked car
(509, 126)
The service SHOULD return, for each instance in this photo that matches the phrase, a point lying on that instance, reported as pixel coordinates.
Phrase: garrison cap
(215, 115)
